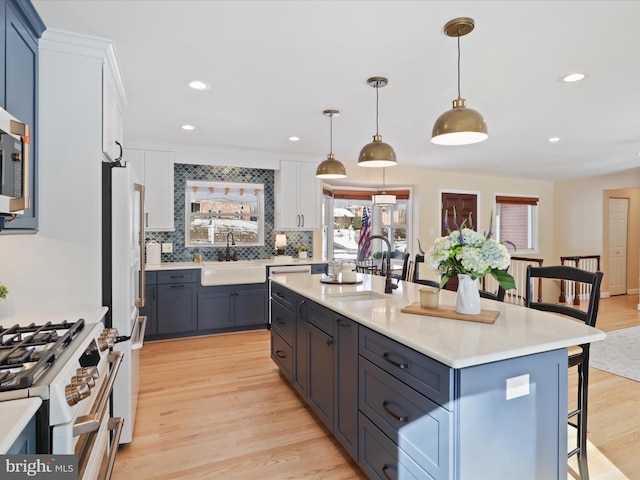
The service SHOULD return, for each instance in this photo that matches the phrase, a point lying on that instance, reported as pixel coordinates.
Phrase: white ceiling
(274, 66)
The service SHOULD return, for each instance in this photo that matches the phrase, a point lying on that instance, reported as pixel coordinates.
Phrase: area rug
(619, 353)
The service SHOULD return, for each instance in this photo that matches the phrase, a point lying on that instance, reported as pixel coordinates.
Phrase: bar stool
(579, 355)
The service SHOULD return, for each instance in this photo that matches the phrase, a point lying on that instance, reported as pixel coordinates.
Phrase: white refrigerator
(124, 282)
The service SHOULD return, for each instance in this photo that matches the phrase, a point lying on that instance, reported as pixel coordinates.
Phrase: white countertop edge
(90, 315)
(577, 333)
(15, 416)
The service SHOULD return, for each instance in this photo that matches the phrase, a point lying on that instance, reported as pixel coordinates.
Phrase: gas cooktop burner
(27, 351)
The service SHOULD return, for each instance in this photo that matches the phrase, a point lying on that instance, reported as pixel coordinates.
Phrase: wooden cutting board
(447, 311)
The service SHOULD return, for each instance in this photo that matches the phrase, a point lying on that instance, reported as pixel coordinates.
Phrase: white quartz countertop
(518, 330)
(267, 262)
(15, 415)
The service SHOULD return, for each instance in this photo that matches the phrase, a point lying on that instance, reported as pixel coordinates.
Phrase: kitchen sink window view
(343, 215)
(215, 209)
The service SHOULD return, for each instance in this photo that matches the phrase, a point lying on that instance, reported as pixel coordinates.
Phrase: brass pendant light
(383, 199)
(461, 125)
(377, 153)
(331, 168)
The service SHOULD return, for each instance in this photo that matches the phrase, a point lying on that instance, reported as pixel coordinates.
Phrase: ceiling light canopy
(377, 153)
(331, 168)
(460, 125)
(187, 127)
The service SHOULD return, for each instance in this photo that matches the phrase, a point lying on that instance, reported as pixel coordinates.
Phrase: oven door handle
(91, 422)
(116, 424)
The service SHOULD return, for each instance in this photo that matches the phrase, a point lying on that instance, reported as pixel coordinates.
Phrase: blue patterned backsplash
(184, 172)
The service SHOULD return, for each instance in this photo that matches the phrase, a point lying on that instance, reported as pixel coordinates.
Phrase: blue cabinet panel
(177, 308)
(320, 384)
(345, 421)
(215, 310)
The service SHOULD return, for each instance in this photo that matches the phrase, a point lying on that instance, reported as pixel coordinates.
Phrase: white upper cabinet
(297, 196)
(154, 170)
(112, 106)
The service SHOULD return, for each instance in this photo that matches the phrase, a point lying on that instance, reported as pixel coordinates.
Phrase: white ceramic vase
(468, 296)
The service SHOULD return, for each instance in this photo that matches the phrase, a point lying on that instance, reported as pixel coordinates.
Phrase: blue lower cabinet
(177, 308)
(232, 307)
(320, 385)
(345, 418)
(381, 459)
(282, 355)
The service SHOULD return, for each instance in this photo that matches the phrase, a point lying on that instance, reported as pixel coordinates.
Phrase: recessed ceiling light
(554, 139)
(294, 139)
(199, 85)
(188, 127)
(573, 77)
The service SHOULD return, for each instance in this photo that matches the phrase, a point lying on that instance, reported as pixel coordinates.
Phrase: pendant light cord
(331, 134)
(377, 108)
(458, 63)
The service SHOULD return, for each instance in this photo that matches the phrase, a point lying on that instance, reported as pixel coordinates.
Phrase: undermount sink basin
(358, 296)
(232, 273)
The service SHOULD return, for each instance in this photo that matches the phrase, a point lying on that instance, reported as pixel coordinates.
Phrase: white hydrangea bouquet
(465, 251)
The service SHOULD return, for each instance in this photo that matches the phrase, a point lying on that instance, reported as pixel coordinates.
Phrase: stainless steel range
(68, 364)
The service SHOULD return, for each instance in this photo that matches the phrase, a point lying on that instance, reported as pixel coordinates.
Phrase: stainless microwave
(15, 141)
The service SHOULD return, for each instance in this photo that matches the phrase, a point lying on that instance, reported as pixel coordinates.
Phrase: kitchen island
(413, 396)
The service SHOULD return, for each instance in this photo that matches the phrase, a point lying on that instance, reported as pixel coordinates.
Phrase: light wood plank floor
(215, 407)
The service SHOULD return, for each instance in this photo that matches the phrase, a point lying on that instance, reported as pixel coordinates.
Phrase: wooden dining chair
(397, 255)
(497, 296)
(578, 355)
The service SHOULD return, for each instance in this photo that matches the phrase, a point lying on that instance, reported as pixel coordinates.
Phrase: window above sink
(213, 209)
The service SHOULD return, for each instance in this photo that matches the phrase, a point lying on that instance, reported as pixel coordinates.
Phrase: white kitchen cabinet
(154, 170)
(112, 106)
(297, 196)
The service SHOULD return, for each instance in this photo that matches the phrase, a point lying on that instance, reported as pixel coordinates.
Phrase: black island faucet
(389, 286)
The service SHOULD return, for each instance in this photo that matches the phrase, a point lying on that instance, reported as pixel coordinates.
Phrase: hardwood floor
(216, 407)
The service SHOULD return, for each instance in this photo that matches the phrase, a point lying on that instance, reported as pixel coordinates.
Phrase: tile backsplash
(184, 172)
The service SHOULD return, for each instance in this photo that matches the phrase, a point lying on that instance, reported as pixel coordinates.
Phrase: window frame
(363, 194)
(248, 187)
(533, 233)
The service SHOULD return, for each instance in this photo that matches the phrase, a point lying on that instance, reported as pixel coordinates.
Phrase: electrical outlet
(167, 248)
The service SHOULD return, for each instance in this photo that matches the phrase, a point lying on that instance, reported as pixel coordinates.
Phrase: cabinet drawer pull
(386, 467)
(330, 342)
(281, 354)
(387, 357)
(177, 286)
(385, 405)
(177, 276)
(280, 295)
(302, 221)
(344, 323)
(280, 321)
(300, 309)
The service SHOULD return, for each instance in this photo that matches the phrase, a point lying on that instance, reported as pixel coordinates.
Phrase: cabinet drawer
(321, 317)
(283, 295)
(151, 278)
(178, 276)
(282, 354)
(410, 419)
(427, 376)
(380, 458)
(318, 268)
(284, 322)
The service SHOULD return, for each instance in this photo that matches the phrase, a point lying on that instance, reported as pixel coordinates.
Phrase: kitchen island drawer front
(284, 321)
(381, 459)
(429, 377)
(411, 420)
(283, 295)
(178, 276)
(282, 354)
(321, 317)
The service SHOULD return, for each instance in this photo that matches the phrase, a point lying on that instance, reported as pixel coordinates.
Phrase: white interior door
(618, 211)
